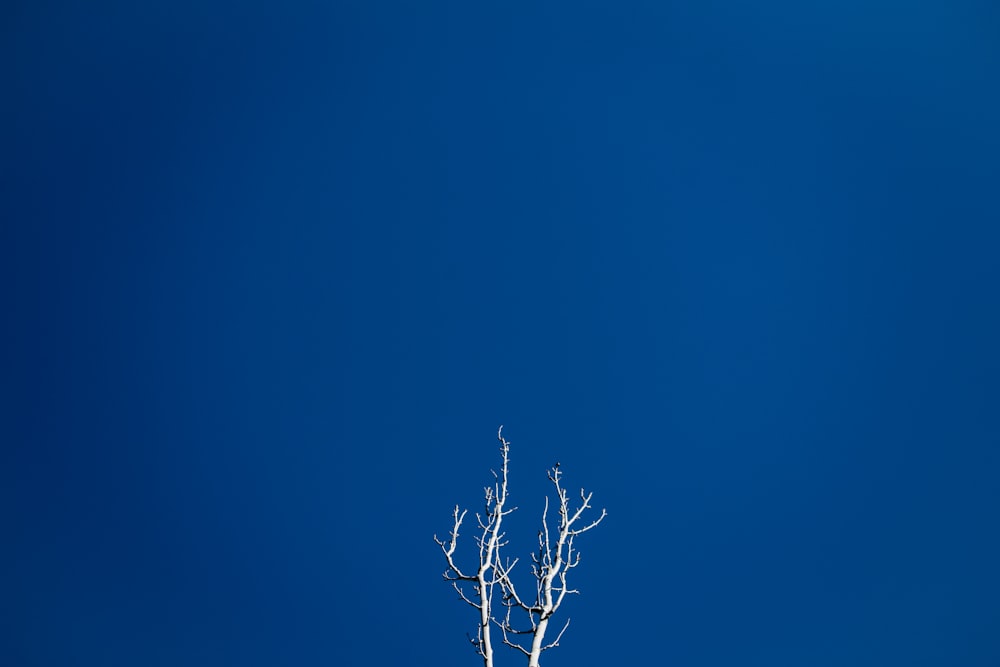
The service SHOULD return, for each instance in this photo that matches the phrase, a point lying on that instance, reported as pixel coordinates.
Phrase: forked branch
(489, 542)
(551, 564)
(556, 556)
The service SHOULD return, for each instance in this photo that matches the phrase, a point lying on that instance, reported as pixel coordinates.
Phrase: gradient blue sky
(273, 275)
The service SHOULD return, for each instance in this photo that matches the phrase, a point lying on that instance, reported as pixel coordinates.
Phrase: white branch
(555, 557)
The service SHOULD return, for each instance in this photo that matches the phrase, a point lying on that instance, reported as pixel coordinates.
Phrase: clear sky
(273, 274)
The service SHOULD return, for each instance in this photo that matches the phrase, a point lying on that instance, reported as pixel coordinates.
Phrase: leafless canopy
(551, 564)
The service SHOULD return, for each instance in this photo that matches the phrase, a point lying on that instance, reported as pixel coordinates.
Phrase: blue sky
(273, 276)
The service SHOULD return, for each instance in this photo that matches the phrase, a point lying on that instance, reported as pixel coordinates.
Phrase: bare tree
(551, 563)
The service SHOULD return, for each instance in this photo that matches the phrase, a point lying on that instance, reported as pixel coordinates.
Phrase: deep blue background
(273, 275)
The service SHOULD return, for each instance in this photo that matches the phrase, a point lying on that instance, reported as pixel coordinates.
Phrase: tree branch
(555, 557)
